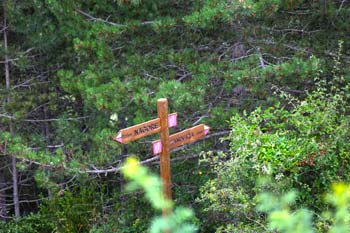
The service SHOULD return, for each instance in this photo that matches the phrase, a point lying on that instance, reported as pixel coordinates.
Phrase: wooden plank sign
(182, 138)
(161, 125)
(144, 129)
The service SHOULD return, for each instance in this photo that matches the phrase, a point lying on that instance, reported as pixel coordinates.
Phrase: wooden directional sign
(161, 125)
(182, 138)
(144, 129)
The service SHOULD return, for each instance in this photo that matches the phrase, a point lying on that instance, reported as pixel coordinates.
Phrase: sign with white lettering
(144, 129)
(182, 138)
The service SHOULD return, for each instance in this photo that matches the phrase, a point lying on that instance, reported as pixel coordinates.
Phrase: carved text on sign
(182, 138)
(144, 129)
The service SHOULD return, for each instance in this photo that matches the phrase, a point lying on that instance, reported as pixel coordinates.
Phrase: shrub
(32, 223)
(301, 144)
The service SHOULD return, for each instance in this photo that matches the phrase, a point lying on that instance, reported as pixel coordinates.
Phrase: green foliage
(340, 199)
(301, 144)
(150, 184)
(72, 211)
(32, 223)
(177, 220)
(282, 218)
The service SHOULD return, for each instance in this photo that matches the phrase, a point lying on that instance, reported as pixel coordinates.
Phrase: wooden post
(162, 108)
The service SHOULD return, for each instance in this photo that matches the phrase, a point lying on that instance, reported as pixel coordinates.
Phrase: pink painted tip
(206, 130)
(119, 138)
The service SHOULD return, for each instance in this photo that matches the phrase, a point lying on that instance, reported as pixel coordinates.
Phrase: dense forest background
(270, 77)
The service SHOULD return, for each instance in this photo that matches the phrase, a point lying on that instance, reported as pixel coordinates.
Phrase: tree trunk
(3, 211)
(13, 160)
(47, 136)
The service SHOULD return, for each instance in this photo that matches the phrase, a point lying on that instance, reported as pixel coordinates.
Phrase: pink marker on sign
(157, 147)
(172, 120)
(206, 130)
(119, 138)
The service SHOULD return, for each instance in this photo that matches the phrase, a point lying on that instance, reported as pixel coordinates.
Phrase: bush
(301, 144)
(32, 223)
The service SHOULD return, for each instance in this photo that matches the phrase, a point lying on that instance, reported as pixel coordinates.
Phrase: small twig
(259, 223)
(56, 119)
(109, 22)
(116, 169)
(10, 186)
(184, 76)
(200, 118)
(341, 5)
(37, 163)
(46, 120)
(261, 59)
(6, 217)
(26, 201)
(3, 29)
(48, 146)
(7, 116)
(99, 19)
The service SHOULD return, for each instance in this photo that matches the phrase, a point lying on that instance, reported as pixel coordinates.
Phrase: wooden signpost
(161, 125)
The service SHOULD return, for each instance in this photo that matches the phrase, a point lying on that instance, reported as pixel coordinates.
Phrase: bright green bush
(301, 144)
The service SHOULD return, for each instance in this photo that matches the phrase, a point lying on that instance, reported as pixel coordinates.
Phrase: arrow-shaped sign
(182, 138)
(141, 130)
